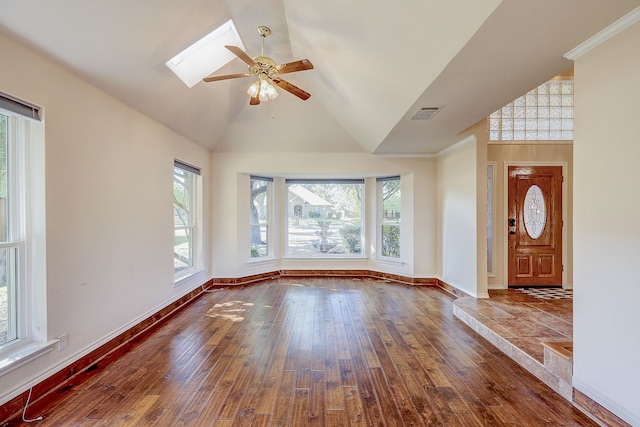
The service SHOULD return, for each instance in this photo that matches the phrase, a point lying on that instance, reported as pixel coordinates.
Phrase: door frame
(505, 212)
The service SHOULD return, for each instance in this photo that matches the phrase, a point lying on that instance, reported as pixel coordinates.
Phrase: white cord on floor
(24, 411)
(211, 290)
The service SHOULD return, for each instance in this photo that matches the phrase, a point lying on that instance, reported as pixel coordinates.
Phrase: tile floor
(519, 324)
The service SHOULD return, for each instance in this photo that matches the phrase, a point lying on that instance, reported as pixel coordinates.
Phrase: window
(187, 234)
(22, 241)
(389, 213)
(259, 216)
(545, 113)
(325, 218)
(10, 246)
(490, 197)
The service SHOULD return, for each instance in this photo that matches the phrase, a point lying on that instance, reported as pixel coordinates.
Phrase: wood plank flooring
(314, 352)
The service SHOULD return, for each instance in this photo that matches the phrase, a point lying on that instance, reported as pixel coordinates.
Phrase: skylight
(206, 55)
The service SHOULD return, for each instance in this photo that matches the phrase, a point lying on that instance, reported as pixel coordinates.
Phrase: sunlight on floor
(232, 310)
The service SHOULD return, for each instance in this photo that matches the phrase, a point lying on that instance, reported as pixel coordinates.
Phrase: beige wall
(109, 214)
(606, 226)
(560, 154)
(461, 242)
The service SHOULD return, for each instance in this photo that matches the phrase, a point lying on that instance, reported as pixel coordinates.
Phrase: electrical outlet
(63, 341)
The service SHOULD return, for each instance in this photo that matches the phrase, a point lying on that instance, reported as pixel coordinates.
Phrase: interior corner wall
(231, 254)
(482, 288)
(606, 226)
(109, 212)
(457, 192)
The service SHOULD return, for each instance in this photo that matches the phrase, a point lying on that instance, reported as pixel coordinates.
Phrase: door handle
(512, 222)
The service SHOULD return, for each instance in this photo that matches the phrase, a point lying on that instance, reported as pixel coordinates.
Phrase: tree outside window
(185, 218)
(260, 189)
(390, 196)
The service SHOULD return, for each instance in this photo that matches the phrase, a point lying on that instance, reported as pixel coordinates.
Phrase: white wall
(606, 226)
(230, 185)
(109, 218)
(462, 217)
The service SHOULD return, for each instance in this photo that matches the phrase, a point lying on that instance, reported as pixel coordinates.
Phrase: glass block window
(543, 114)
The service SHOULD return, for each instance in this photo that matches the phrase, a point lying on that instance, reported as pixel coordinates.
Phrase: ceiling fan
(267, 72)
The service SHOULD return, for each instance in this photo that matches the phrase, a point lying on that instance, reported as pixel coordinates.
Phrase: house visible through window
(186, 237)
(260, 189)
(325, 218)
(389, 196)
(545, 113)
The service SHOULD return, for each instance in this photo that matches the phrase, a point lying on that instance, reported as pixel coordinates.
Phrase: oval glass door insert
(535, 212)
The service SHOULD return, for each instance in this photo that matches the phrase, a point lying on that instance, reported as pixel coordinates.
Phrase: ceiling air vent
(425, 113)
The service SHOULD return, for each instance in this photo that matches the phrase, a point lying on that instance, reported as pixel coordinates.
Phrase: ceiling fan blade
(290, 67)
(292, 88)
(241, 54)
(225, 77)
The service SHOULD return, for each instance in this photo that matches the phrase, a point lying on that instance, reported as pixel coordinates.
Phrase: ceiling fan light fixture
(262, 89)
(254, 89)
(267, 90)
(267, 71)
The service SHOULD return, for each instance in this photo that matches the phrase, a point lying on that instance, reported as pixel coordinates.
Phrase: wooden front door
(535, 225)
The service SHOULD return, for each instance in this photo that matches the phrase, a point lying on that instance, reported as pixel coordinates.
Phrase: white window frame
(194, 225)
(267, 222)
(382, 221)
(27, 234)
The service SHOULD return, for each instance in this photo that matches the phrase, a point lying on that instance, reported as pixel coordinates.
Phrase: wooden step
(558, 359)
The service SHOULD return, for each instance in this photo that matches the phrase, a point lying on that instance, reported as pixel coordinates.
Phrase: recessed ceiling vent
(426, 113)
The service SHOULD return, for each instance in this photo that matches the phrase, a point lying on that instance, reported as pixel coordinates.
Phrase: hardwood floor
(326, 352)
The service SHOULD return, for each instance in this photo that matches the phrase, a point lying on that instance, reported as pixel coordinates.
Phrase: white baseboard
(616, 409)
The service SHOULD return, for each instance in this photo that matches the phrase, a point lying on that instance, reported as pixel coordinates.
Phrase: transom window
(543, 114)
(325, 218)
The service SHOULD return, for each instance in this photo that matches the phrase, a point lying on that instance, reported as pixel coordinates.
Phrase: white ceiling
(375, 64)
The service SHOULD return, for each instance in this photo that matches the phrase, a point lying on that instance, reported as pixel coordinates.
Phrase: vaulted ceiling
(376, 63)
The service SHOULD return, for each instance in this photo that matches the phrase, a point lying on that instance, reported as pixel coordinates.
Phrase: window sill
(261, 260)
(390, 261)
(325, 258)
(24, 354)
(185, 276)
